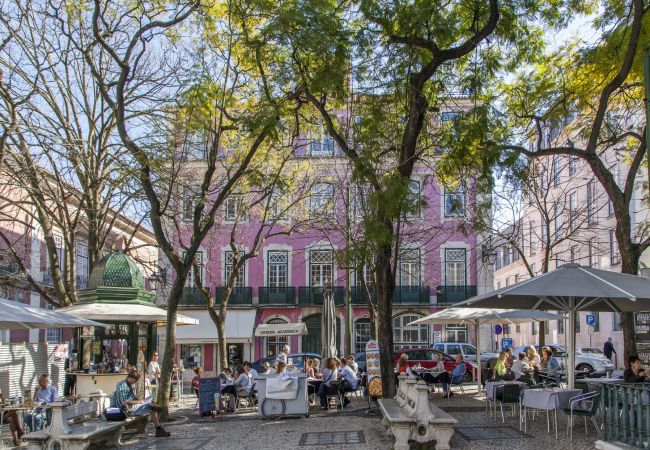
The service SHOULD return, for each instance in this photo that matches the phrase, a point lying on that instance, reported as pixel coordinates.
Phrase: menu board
(642, 332)
(373, 369)
(207, 388)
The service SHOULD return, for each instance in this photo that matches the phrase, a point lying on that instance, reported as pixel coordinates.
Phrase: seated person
(353, 364)
(351, 381)
(225, 377)
(635, 373)
(242, 383)
(45, 393)
(500, 370)
(17, 432)
(265, 367)
(124, 396)
(520, 366)
(549, 361)
(195, 380)
(330, 374)
(252, 373)
(402, 364)
(510, 358)
(457, 374)
(279, 368)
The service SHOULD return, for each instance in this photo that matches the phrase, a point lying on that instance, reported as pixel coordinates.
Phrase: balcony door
(312, 342)
(321, 268)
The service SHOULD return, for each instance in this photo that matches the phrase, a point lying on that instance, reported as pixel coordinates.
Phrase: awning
(16, 315)
(239, 327)
(281, 329)
(131, 312)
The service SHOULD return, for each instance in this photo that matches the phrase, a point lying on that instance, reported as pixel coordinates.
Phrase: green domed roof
(116, 269)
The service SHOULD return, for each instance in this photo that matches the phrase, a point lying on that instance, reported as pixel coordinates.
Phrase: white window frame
(82, 265)
(410, 267)
(614, 255)
(321, 266)
(557, 179)
(273, 262)
(234, 209)
(450, 260)
(228, 267)
(321, 199)
(188, 203)
(414, 195)
(402, 332)
(591, 202)
(189, 281)
(532, 241)
(453, 200)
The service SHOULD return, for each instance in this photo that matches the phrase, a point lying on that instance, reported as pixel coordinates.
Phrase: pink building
(438, 265)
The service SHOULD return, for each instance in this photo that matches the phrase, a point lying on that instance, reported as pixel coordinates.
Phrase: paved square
(489, 433)
(332, 438)
(175, 444)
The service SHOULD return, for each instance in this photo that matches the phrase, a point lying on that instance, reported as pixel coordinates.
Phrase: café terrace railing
(626, 412)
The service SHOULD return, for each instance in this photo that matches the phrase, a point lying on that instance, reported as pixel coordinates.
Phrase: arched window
(361, 334)
(413, 336)
(275, 343)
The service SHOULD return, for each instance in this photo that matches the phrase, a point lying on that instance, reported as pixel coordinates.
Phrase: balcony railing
(313, 296)
(449, 295)
(411, 295)
(358, 297)
(277, 296)
(8, 268)
(239, 296)
(192, 296)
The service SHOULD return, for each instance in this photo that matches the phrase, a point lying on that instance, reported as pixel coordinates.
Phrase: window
(58, 245)
(277, 268)
(614, 255)
(574, 254)
(455, 266)
(405, 335)
(544, 232)
(196, 145)
(409, 268)
(82, 266)
(543, 181)
(556, 171)
(559, 259)
(190, 194)
(573, 203)
(533, 269)
(190, 282)
(559, 219)
(455, 333)
(413, 203)
(274, 344)
(234, 208)
(321, 267)
(535, 328)
(591, 253)
(518, 328)
(573, 164)
(610, 207)
(277, 206)
(616, 322)
(454, 202)
(321, 199)
(53, 335)
(591, 202)
(191, 355)
(321, 143)
(361, 334)
(230, 265)
(560, 326)
(532, 242)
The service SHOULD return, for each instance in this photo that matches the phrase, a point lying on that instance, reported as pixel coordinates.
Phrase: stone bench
(411, 416)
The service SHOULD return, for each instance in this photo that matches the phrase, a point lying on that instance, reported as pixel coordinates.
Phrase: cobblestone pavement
(245, 429)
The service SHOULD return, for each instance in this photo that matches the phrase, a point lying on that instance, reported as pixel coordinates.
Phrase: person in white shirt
(353, 364)
(153, 369)
(347, 373)
(283, 355)
(520, 366)
(251, 372)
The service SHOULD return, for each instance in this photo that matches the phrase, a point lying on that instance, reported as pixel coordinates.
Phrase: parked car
(593, 363)
(467, 350)
(425, 357)
(297, 359)
(360, 358)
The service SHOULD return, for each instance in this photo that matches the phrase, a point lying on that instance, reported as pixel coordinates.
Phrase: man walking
(609, 350)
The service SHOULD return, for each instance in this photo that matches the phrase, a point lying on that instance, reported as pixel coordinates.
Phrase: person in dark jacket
(608, 349)
(634, 373)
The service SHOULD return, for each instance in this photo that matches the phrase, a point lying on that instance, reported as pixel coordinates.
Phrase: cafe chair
(583, 405)
(458, 382)
(508, 394)
(247, 397)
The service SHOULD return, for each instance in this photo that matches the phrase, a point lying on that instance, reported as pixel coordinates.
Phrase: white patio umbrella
(571, 288)
(16, 315)
(479, 316)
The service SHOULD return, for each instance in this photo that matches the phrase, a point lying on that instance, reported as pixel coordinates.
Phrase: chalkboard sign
(207, 388)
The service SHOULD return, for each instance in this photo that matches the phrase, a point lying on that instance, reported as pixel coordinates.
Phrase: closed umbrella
(571, 288)
(479, 316)
(328, 325)
(16, 315)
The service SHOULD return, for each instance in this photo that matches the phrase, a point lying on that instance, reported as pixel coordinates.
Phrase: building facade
(439, 263)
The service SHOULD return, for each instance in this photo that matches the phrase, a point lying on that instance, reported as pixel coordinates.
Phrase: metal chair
(334, 395)
(458, 382)
(591, 400)
(248, 397)
(508, 394)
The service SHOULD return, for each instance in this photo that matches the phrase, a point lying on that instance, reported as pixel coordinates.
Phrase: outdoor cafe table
(547, 399)
(491, 389)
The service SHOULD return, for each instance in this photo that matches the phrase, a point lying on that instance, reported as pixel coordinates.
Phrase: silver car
(587, 362)
(467, 350)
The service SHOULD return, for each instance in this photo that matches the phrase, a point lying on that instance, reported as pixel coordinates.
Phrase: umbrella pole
(478, 354)
(571, 348)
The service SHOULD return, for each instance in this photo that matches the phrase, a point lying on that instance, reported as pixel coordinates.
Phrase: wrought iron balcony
(411, 295)
(314, 295)
(449, 295)
(358, 297)
(239, 296)
(192, 296)
(277, 296)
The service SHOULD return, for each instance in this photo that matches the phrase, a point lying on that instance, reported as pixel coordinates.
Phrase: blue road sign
(506, 343)
(498, 329)
(591, 320)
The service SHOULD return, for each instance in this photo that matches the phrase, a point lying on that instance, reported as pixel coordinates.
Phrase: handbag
(113, 414)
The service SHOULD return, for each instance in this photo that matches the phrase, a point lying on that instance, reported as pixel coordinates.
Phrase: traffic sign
(498, 329)
(506, 343)
(591, 320)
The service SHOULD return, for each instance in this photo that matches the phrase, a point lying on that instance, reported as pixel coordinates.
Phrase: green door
(312, 342)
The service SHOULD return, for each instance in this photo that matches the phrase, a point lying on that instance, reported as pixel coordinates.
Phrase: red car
(425, 357)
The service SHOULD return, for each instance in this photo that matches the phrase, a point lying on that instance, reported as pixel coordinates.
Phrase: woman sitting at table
(635, 373)
(500, 370)
(520, 367)
(549, 362)
(533, 357)
(402, 364)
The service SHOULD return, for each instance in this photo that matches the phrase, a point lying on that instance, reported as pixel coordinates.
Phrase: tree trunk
(541, 335)
(385, 288)
(629, 264)
(219, 320)
(170, 349)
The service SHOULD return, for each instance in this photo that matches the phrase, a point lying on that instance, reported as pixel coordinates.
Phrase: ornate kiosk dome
(116, 269)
